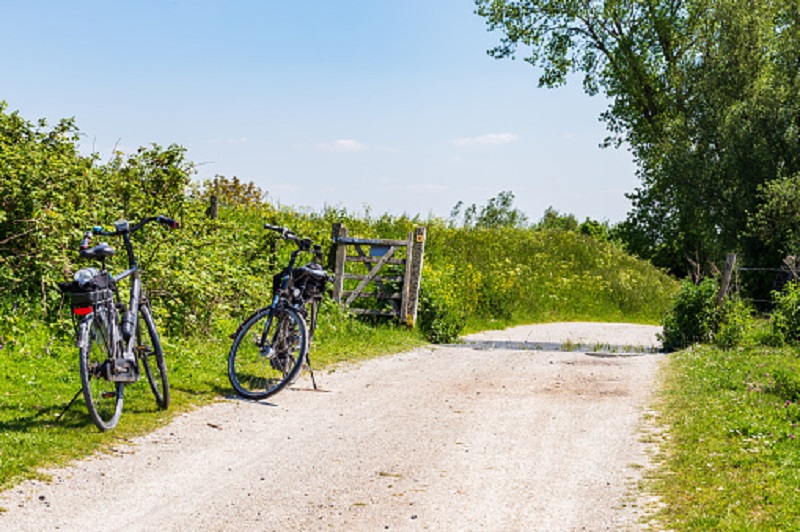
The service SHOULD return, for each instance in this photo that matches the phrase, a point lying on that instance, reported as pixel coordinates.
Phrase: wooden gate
(396, 292)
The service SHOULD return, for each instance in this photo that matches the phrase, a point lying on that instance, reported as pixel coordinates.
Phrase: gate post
(413, 277)
(339, 231)
(730, 262)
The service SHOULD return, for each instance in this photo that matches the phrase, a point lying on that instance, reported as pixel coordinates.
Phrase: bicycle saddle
(100, 251)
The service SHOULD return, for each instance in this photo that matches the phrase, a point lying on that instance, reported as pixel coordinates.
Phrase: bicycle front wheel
(103, 397)
(268, 352)
(148, 349)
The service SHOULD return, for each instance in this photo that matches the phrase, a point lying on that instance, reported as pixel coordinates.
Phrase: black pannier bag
(83, 296)
(311, 279)
(307, 283)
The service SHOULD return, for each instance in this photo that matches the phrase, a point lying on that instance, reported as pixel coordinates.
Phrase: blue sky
(392, 105)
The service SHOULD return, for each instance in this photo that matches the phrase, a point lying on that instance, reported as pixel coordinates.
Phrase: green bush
(693, 316)
(786, 314)
(440, 317)
(219, 268)
(736, 325)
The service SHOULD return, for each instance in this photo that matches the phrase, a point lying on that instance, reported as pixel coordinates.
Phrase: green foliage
(441, 316)
(786, 314)
(731, 459)
(498, 212)
(692, 317)
(595, 229)
(507, 276)
(50, 194)
(774, 223)
(704, 92)
(737, 324)
(552, 219)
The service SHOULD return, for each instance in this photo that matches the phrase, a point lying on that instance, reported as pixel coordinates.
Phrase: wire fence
(754, 285)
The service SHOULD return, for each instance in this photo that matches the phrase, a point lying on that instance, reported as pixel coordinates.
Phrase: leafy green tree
(233, 192)
(775, 223)
(598, 230)
(552, 219)
(704, 92)
(498, 212)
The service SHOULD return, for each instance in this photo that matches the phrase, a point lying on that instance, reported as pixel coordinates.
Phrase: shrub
(786, 315)
(439, 316)
(736, 325)
(438, 321)
(693, 316)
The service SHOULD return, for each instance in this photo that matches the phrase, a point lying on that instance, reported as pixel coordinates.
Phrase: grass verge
(732, 457)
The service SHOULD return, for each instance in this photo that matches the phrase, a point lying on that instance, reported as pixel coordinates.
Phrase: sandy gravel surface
(449, 438)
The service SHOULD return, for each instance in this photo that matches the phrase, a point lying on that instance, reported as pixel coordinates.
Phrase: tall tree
(704, 92)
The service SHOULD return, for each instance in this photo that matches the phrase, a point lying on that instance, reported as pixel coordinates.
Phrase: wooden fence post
(730, 263)
(339, 231)
(213, 207)
(416, 251)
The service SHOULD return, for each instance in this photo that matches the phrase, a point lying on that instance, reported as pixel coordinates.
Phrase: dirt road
(449, 438)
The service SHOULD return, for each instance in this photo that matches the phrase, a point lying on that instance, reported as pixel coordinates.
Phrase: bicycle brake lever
(87, 238)
(169, 222)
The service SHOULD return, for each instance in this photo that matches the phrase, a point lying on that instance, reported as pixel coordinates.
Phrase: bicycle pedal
(108, 395)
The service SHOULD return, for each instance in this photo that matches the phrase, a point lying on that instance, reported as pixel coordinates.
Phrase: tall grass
(502, 277)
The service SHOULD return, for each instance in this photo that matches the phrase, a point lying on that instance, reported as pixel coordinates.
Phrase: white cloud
(344, 146)
(487, 140)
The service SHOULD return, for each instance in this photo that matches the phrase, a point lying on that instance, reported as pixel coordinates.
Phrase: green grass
(39, 376)
(731, 460)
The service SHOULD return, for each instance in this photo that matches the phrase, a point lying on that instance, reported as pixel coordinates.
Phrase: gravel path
(446, 438)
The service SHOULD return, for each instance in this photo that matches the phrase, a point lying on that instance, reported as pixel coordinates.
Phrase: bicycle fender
(83, 332)
(235, 334)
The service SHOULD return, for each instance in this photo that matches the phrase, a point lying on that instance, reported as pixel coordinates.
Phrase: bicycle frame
(135, 297)
(278, 300)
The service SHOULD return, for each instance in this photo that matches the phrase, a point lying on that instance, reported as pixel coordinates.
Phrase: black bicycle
(272, 345)
(115, 340)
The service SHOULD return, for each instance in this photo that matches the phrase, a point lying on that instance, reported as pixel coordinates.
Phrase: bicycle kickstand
(59, 416)
(311, 372)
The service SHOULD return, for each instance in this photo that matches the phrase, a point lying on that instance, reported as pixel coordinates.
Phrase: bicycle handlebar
(123, 227)
(169, 222)
(287, 234)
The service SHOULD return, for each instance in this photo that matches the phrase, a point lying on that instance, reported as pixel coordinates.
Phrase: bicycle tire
(103, 398)
(151, 356)
(268, 352)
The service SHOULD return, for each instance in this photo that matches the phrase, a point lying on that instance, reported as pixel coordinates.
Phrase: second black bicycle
(271, 347)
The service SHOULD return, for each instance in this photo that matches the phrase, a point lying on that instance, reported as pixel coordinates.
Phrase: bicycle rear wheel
(268, 352)
(103, 398)
(148, 349)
